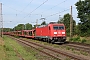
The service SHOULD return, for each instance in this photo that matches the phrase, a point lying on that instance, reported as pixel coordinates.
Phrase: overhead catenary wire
(13, 8)
(57, 13)
(48, 9)
(36, 8)
(18, 10)
(39, 6)
(55, 5)
(27, 5)
(59, 4)
(16, 14)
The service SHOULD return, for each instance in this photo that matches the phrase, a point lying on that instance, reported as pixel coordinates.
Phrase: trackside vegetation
(2, 51)
(9, 48)
(79, 40)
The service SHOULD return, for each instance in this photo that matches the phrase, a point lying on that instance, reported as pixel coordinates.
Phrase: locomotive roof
(49, 24)
(41, 26)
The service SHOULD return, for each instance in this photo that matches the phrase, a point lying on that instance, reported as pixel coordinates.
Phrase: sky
(16, 12)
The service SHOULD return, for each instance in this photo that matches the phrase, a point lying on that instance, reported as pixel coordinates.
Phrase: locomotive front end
(58, 33)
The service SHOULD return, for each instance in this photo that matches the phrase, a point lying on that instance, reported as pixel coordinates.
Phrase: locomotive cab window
(58, 27)
(61, 27)
(55, 27)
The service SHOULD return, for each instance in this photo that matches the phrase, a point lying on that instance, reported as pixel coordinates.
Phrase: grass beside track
(7, 51)
(2, 51)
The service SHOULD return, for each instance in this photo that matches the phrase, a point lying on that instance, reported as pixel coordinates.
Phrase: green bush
(83, 41)
(71, 39)
(77, 39)
(16, 36)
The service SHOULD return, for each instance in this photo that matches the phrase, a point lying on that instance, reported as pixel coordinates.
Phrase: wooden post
(71, 25)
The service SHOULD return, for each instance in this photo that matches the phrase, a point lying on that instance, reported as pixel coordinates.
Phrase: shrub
(16, 36)
(76, 39)
(71, 40)
(83, 41)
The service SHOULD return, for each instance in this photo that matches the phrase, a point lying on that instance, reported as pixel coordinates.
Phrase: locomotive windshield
(58, 27)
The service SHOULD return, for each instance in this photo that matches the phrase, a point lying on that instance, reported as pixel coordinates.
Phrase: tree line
(26, 26)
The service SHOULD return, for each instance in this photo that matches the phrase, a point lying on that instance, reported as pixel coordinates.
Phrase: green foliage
(84, 53)
(68, 48)
(83, 8)
(83, 41)
(72, 49)
(16, 36)
(71, 39)
(7, 29)
(77, 31)
(2, 50)
(28, 26)
(66, 21)
(23, 27)
(74, 27)
(8, 48)
(60, 20)
(19, 27)
(43, 23)
(77, 39)
(35, 26)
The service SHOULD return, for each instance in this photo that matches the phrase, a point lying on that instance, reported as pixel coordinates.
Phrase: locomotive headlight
(55, 32)
(63, 32)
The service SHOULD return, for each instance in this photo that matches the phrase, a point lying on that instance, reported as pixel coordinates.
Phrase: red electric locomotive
(53, 32)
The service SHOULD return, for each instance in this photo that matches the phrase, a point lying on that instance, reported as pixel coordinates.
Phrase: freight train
(52, 33)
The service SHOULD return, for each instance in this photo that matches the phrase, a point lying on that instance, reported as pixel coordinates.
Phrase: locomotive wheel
(44, 40)
(48, 41)
(52, 42)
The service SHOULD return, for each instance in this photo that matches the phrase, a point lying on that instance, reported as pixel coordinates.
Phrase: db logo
(59, 32)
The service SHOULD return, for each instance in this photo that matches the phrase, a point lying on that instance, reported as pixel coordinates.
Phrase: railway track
(80, 47)
(50, 51)
(83, 44)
